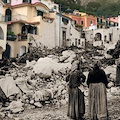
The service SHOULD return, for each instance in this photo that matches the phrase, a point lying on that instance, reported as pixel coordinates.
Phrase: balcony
(49, 15)
(13, 18)
(101, 23)
(11, 36)
(22, 37)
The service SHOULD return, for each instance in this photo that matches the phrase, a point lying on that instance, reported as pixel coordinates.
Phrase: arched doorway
(1, 34)
(7, 52)
(8, 15)
(22, 50)
(98, 37)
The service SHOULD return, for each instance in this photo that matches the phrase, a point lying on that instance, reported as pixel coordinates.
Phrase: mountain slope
(107, 8)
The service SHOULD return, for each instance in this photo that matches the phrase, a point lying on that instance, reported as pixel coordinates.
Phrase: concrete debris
(38, 104)
(41, 80)
(15, 106)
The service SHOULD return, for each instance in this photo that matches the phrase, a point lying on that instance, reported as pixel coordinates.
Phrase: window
(114, 24)
(106, 23)
(8, 15)
(79, 42)
(29, 1)
(75, 42)
(105, 38)
(6, 1)
(75, 21)
(101, 20)
(55, 7)
(97, 19)
(98, 26)
(39, 13)
(110, 37)
(81, 22)
(65, 21)
(91, 22)
(109, 23)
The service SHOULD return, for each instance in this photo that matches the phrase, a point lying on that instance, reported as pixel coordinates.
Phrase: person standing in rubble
(117, 82)
(97, 83)
(76, 105)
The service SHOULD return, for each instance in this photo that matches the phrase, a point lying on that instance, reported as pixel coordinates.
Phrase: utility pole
(60, 25)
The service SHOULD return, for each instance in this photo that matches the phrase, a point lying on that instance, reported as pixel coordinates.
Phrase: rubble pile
(115, 50)
(41, 80)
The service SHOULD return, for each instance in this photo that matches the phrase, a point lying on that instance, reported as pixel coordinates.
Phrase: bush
(10, 33)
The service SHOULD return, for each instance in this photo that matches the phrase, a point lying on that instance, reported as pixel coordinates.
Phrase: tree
(93, 6)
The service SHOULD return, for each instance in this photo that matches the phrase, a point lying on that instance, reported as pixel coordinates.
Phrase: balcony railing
(22, 37)
(13, 18)
(11, 37)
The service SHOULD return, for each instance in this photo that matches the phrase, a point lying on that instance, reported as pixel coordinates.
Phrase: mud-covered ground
(52, 112)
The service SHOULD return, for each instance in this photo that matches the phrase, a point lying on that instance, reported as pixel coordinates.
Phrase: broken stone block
(27, 101)
(63, 92)
(66, 99)
(47, 102)
(10, 115)
(110, 84)
(15, 106)
(63, 102)
(38, 104)
(114, 90)
(32, 102)
(2, 114)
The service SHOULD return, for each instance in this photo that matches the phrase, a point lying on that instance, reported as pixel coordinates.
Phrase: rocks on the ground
(2, 114)
(42, 78)
(38, 104)
(115, 90)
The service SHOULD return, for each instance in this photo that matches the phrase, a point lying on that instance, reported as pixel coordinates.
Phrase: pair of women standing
(97, 82)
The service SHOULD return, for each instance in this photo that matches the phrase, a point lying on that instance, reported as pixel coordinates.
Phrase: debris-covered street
(36, 88)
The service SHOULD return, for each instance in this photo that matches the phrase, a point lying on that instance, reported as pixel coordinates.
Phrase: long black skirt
(76, 104)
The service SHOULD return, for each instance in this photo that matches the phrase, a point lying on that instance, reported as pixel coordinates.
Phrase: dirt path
(60, 113)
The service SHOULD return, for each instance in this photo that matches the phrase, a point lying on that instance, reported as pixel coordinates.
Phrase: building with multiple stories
(3, 31)
(104, 36)
(91, 22)
(40, 20)
(105, 23)
(83, 19)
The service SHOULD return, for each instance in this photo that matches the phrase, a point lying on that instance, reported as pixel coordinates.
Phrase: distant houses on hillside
(22, 20)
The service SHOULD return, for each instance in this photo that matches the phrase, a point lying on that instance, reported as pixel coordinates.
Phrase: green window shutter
(24, 0)
(5, 1)
(36, 30)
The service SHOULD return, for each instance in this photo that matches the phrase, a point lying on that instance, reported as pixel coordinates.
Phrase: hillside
(107, 8)
(85, 2)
